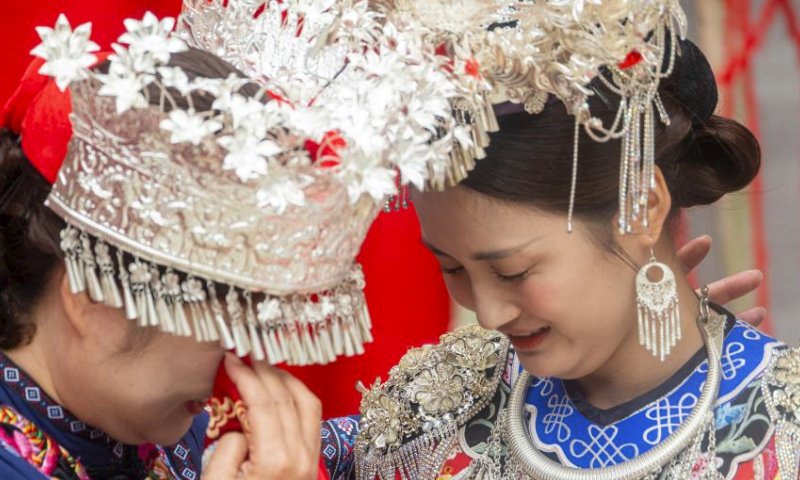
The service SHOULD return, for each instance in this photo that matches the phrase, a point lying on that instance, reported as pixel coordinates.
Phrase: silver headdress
(556, 48)
(238, 224)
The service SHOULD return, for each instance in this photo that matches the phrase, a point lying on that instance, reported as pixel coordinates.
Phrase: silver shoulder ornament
(410, 422)
(781, 388)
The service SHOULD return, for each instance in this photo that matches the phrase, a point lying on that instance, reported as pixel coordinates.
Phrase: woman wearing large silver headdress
(161, 207)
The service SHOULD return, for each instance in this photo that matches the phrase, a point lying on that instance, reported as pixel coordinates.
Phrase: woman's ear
(645, 236)
(659, 205)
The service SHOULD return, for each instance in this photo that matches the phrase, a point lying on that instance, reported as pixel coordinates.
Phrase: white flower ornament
(67, 53)
(152, 36)
(188, 126)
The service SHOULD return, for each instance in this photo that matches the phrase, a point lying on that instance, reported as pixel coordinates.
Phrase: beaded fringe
(292, 329)
(479, 116)
(420, 459)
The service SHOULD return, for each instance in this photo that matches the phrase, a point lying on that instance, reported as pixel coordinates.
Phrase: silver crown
(239, 224)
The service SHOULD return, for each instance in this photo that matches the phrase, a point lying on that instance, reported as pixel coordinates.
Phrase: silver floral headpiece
(240, 223)
(488, 52)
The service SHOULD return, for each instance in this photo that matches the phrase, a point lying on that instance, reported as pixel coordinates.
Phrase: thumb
(227, 458)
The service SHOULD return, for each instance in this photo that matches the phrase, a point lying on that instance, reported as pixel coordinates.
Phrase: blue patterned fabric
(557, 426)
(338, 440)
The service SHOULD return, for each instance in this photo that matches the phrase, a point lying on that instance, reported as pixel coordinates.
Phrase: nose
(493, 308)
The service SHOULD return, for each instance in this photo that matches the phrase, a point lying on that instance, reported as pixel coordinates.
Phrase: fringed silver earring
(657, 305)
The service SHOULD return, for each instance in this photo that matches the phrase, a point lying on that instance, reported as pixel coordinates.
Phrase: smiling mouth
(529, 341)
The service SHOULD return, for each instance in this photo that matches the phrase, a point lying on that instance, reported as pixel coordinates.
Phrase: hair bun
(693, 83)
(720, 156)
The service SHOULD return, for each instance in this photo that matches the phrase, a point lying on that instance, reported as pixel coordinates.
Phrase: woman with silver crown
(159, 208)
(594, 358)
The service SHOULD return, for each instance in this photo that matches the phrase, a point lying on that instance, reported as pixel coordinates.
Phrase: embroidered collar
(557, 426)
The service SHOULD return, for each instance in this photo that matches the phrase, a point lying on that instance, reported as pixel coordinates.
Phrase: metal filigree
(432, 391)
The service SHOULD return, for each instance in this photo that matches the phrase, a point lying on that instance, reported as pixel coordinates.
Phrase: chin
(171, 430)
(544, 366)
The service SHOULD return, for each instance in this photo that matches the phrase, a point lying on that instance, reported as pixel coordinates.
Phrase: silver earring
(657, 305)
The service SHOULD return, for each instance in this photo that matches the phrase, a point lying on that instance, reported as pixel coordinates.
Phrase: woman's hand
(284, 419)
(729, 288)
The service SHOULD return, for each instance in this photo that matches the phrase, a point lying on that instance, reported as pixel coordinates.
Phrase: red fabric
(39, 111)
(405, 291)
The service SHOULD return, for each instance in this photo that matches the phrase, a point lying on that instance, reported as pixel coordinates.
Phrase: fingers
(226, 461)
(286, 405)
(734, 286)
(754, 316)
(309, 409)
(691, 254)
(266, 431)
(282, 442)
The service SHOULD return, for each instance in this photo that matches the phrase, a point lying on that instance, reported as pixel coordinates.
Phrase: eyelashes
(451, 271)
(517, 277)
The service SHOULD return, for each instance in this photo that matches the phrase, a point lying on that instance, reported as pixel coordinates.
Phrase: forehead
(463, 218)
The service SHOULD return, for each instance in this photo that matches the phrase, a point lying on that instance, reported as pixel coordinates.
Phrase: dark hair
(29, 231)
(529, 162)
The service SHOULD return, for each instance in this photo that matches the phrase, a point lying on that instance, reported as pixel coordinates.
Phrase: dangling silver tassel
(332, 330)
(162, 312)
(208, 324)
(198, 309)
(111, 293)
(195, 296)
(338, 336)
(307, 322)
(297, 352)
(325, 342)
(89, 272)
(71, 246)
(274, 354)
(236, 316)
(352, 339)
(282, 332)
(173, 292)
(226, 339)
(257, 350)
(349, 348)
(131, 312)
(140, 280)
(308, 345)
(269, 311)
(363, 319)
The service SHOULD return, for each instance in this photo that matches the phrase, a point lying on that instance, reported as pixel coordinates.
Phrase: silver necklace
(538, 467)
